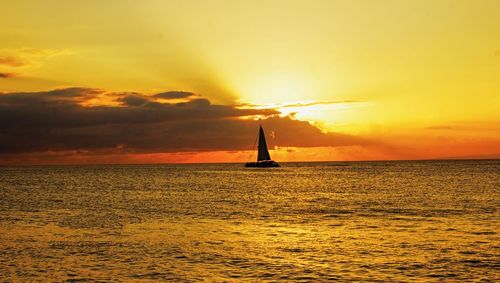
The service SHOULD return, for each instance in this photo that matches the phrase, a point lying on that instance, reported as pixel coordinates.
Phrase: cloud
(174, 94)
(26, 56)
(134, 100)
(34, 100)
(7, 75)
(469, 126)
(62, 109)
(11, 61)
(300, 104)
(313, 103)
(58, 120)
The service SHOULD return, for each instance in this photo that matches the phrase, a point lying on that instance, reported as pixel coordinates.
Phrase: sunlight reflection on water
(366, 221)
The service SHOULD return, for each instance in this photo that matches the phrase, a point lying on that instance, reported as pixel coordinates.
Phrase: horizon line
(283, 162)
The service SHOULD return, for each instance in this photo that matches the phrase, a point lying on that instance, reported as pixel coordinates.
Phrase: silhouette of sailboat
(263, 158)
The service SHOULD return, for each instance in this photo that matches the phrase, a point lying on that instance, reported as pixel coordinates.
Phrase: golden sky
(418, 79)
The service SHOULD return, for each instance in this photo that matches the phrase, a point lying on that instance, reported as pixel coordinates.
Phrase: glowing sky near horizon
(416, 74)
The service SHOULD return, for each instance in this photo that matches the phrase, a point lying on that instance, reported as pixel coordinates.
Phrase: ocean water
(340, 221)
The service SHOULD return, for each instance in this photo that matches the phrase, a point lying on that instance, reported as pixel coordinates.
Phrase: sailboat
(263, 158)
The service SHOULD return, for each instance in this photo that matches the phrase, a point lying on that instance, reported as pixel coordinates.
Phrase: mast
(263, 152)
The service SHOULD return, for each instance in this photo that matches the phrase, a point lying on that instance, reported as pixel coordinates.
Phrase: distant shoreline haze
(285, 163)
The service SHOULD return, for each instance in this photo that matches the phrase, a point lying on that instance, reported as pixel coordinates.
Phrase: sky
(190, 81)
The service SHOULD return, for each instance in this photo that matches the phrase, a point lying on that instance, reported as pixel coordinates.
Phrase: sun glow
(278, 87)
(326, 115)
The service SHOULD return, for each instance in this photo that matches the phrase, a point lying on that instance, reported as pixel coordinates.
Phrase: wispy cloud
(469, 126)
(27, 56)
(7, 75)
(299, 104)
(11, 61)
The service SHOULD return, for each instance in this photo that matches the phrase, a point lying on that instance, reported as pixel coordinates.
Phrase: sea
(394, 221)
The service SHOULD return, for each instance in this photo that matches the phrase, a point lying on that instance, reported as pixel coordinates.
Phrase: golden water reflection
(403, 223)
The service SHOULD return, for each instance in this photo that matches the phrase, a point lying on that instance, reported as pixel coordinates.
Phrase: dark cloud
(174, 94)
(134, 100)
(57, 121)
(66, 97)
(7, 75)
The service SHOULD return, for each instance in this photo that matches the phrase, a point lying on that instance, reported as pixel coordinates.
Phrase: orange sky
(185, 81)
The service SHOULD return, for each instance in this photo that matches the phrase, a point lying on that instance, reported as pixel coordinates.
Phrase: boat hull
(262, 164)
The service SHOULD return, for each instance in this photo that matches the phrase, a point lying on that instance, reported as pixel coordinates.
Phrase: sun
(295, 93)
(278, 87)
